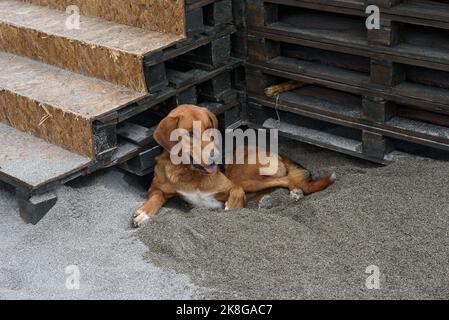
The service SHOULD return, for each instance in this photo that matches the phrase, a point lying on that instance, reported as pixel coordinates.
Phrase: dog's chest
(202, 199)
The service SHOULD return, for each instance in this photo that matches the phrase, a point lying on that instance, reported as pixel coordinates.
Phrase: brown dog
(204, 185)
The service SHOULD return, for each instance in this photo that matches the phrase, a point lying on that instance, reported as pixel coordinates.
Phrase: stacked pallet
(366, 93)
(75, 100)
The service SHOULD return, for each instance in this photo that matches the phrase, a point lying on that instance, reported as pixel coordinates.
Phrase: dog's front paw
(140, 218)
(297, 194)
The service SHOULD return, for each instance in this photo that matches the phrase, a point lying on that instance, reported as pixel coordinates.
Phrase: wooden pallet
(332, 135)
(424, 12)
(418, 45)
(389, 85)
(350, 108)
(402, 84)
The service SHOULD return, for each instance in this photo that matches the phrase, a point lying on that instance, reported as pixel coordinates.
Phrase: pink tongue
(211, 169)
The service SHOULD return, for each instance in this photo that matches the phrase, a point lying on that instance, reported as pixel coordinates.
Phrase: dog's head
(188, 118)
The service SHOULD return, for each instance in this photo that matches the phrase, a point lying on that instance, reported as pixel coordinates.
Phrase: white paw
(297, 194)
(140, 218)
(333, 177)
(227, 207)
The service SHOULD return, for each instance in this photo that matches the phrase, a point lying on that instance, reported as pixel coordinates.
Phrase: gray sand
(89, 228)
(393, 217)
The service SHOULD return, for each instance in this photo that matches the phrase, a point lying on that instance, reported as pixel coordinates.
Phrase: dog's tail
(318, 185)
(300, 179)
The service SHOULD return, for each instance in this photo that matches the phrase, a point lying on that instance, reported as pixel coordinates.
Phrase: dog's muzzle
(211, 169)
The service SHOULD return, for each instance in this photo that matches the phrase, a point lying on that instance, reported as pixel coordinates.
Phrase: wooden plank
(322, 139)
(404, 53)
(428, 13)
(136, 134)
(161, 16)
(420, 127)
(422, 115)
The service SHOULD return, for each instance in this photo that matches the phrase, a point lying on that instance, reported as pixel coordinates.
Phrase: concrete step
(101, 49)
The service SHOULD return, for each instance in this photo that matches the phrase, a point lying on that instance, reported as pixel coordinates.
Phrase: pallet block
(33, 209)
(389, 33)
(202, 15)
(378, 109)
(375, 145)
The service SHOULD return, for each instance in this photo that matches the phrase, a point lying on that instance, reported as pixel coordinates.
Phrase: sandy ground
(88, 228)
(395, 218)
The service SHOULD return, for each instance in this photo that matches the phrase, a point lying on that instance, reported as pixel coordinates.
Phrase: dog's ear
(164, 130)
(213, 119)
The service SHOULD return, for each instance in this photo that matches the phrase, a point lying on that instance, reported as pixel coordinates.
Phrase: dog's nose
(211, 161)
(215, 159)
